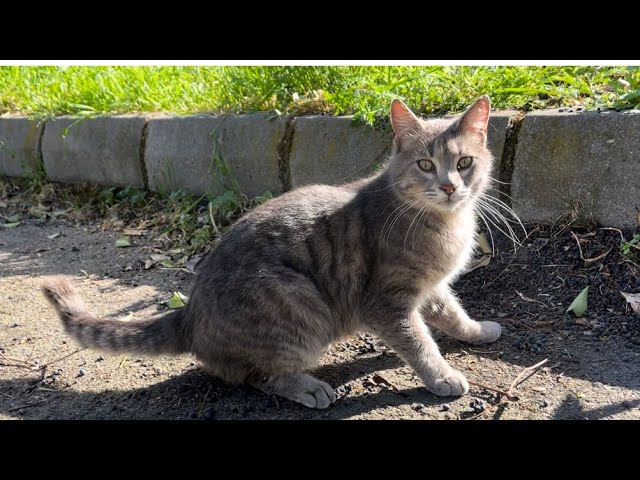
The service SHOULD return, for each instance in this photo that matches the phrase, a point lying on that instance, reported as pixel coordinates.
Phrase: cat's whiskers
(423, 217)
(398, 216)
(499, 203)
(382, 230)
(497, 215)
(406, 235)
(481, 215)
(392, 202)
(492, 213)
(501, 193)
(498, 181)
(388, 186)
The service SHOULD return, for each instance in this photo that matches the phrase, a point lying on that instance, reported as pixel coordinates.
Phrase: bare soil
(592, 372)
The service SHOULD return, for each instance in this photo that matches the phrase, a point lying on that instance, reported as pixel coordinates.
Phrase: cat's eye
(465, 162)
(426, 165)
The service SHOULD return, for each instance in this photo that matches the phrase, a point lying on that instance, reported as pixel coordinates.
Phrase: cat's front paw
(489, 332)
(453, 384)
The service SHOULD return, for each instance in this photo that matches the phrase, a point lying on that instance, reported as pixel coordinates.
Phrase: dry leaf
(483, 261)
(483, 243)
(380, 380)
(191, 264)
(155, 258)
(633, 299)
(134, 231)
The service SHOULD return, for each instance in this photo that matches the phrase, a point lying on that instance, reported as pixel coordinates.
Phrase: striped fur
(155, 336)
(321, 262)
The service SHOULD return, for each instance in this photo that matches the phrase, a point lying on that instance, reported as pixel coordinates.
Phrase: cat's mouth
(451, 203)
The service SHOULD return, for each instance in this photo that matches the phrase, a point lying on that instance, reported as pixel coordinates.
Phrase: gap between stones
(284, 151)
(506, 166)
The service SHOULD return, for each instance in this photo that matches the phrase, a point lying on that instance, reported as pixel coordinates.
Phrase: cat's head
(443, 163)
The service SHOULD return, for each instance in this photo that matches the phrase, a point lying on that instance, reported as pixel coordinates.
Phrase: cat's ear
(475, 120)
(402, 119)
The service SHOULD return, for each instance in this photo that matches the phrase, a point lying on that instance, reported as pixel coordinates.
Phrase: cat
(319, 263)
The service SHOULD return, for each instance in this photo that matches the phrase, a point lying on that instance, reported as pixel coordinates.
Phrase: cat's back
(296, 211)
(282, 224)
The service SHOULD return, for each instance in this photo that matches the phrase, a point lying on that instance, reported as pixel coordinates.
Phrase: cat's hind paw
(301, 388)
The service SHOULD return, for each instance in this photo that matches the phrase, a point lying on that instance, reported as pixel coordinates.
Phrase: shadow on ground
(587, 376)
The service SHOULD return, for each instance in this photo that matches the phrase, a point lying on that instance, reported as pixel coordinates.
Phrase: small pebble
(544, 404)
(445, 408)
(343, 390)
(210, 414)
(82, 372)
(417, 406)
(477, 405)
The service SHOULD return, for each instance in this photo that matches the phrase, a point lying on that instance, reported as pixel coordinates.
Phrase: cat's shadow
(195, 394)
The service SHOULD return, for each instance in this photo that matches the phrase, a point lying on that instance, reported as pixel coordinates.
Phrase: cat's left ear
(475, 120)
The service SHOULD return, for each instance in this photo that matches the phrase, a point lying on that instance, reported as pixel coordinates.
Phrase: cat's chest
(454, 246)
(449, 250)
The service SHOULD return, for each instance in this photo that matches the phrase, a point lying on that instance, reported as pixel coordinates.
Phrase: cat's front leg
(443, 311)
(409, 336)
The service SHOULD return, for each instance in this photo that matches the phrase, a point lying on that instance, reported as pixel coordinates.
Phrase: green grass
(363, 91)
(179, 222)
(631, 248)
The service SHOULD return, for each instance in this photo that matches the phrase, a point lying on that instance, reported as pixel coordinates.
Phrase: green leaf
(167, 264)
(123, 241)
(14, 218)
(184, 298)
(579, 304)
(9, 225)
(178, 300)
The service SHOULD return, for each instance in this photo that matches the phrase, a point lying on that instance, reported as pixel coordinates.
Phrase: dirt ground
(592, 372)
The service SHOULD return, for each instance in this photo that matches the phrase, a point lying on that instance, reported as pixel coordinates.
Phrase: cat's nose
(448, 189)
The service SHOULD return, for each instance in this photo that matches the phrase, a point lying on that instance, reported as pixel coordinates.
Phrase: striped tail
(158, 335)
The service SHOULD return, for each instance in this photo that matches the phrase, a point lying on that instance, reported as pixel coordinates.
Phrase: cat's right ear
(402, 119)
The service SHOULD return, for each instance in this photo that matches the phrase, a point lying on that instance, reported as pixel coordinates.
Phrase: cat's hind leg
(443, 311)
(299, 387)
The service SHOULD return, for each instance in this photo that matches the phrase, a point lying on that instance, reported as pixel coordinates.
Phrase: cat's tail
(157, 335)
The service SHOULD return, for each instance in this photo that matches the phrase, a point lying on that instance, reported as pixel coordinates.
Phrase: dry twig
(589, 260)
(521, 378)
(518, 380)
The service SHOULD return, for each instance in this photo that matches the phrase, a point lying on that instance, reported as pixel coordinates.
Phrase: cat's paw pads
(316, 394)
(453, 384)
(490, 332)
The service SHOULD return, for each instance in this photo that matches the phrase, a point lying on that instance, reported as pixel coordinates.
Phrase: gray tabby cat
(321, 262)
